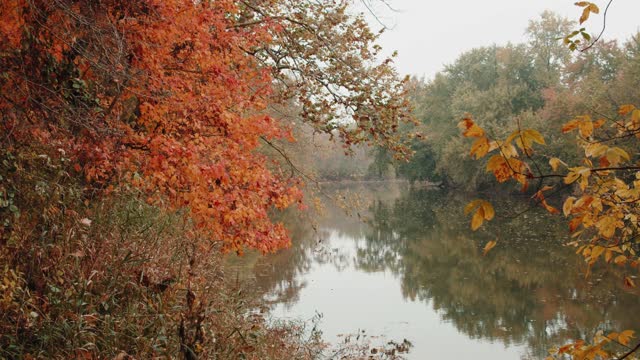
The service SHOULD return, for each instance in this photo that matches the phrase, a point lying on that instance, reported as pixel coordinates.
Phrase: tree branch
(604, 26)
(630, 352)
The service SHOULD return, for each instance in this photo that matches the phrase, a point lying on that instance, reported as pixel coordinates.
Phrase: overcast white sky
(429, 34)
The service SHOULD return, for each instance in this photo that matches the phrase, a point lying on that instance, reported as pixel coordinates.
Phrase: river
(402, 263)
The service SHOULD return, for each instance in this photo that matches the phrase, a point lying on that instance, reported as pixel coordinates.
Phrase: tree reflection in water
(529, 290)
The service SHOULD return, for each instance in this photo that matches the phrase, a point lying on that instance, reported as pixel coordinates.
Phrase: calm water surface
(407, 266)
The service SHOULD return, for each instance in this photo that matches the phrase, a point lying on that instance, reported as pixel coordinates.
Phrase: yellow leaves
(635, 116)
(555, 163)
(595, 150)
(583, 123)
(588, 8)
(586, 128)
(525, 138)
(609, 156)
(505, 165)
(483, 211)
(603, 218)
(497, 164)
(604, 215)
(507, 150)
(480, 147)
(469, 128)
(580, 350)
(616, 155)
(571, 177)
(490, 245)
(596, 251)
(576, 173)
(568, 205)
(593, 252)
(533, 135)
(607, 226)
(628, 194)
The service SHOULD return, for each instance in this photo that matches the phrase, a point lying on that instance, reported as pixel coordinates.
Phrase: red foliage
(159, 94)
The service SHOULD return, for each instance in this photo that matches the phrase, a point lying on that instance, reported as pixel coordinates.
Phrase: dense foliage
(605, 175)
(117, 115)
(540, 84)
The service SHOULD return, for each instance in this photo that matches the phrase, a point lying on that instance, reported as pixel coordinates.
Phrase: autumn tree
(171, 97)
(170, 102)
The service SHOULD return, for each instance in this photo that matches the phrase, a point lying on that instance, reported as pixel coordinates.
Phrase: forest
(142, 142)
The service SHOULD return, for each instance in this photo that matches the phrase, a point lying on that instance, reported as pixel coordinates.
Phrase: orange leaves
(505, 168)
(620, 260)
(605, 214)
(571, 125)
(626, 109)
(628, 281)
(179, 118)
(202, 148)
(505, 164)
(581, 350)
(588, 9)
(630, 126)
(469, 128)
(12, 22)
(602, 215)
(483, 211)
(625, 336)
(490, 245)
(540, 197)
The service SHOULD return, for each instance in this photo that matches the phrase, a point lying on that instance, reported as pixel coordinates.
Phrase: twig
(630, 352)
(604, 26)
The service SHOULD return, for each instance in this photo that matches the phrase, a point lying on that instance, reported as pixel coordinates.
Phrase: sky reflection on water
(414, 270)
